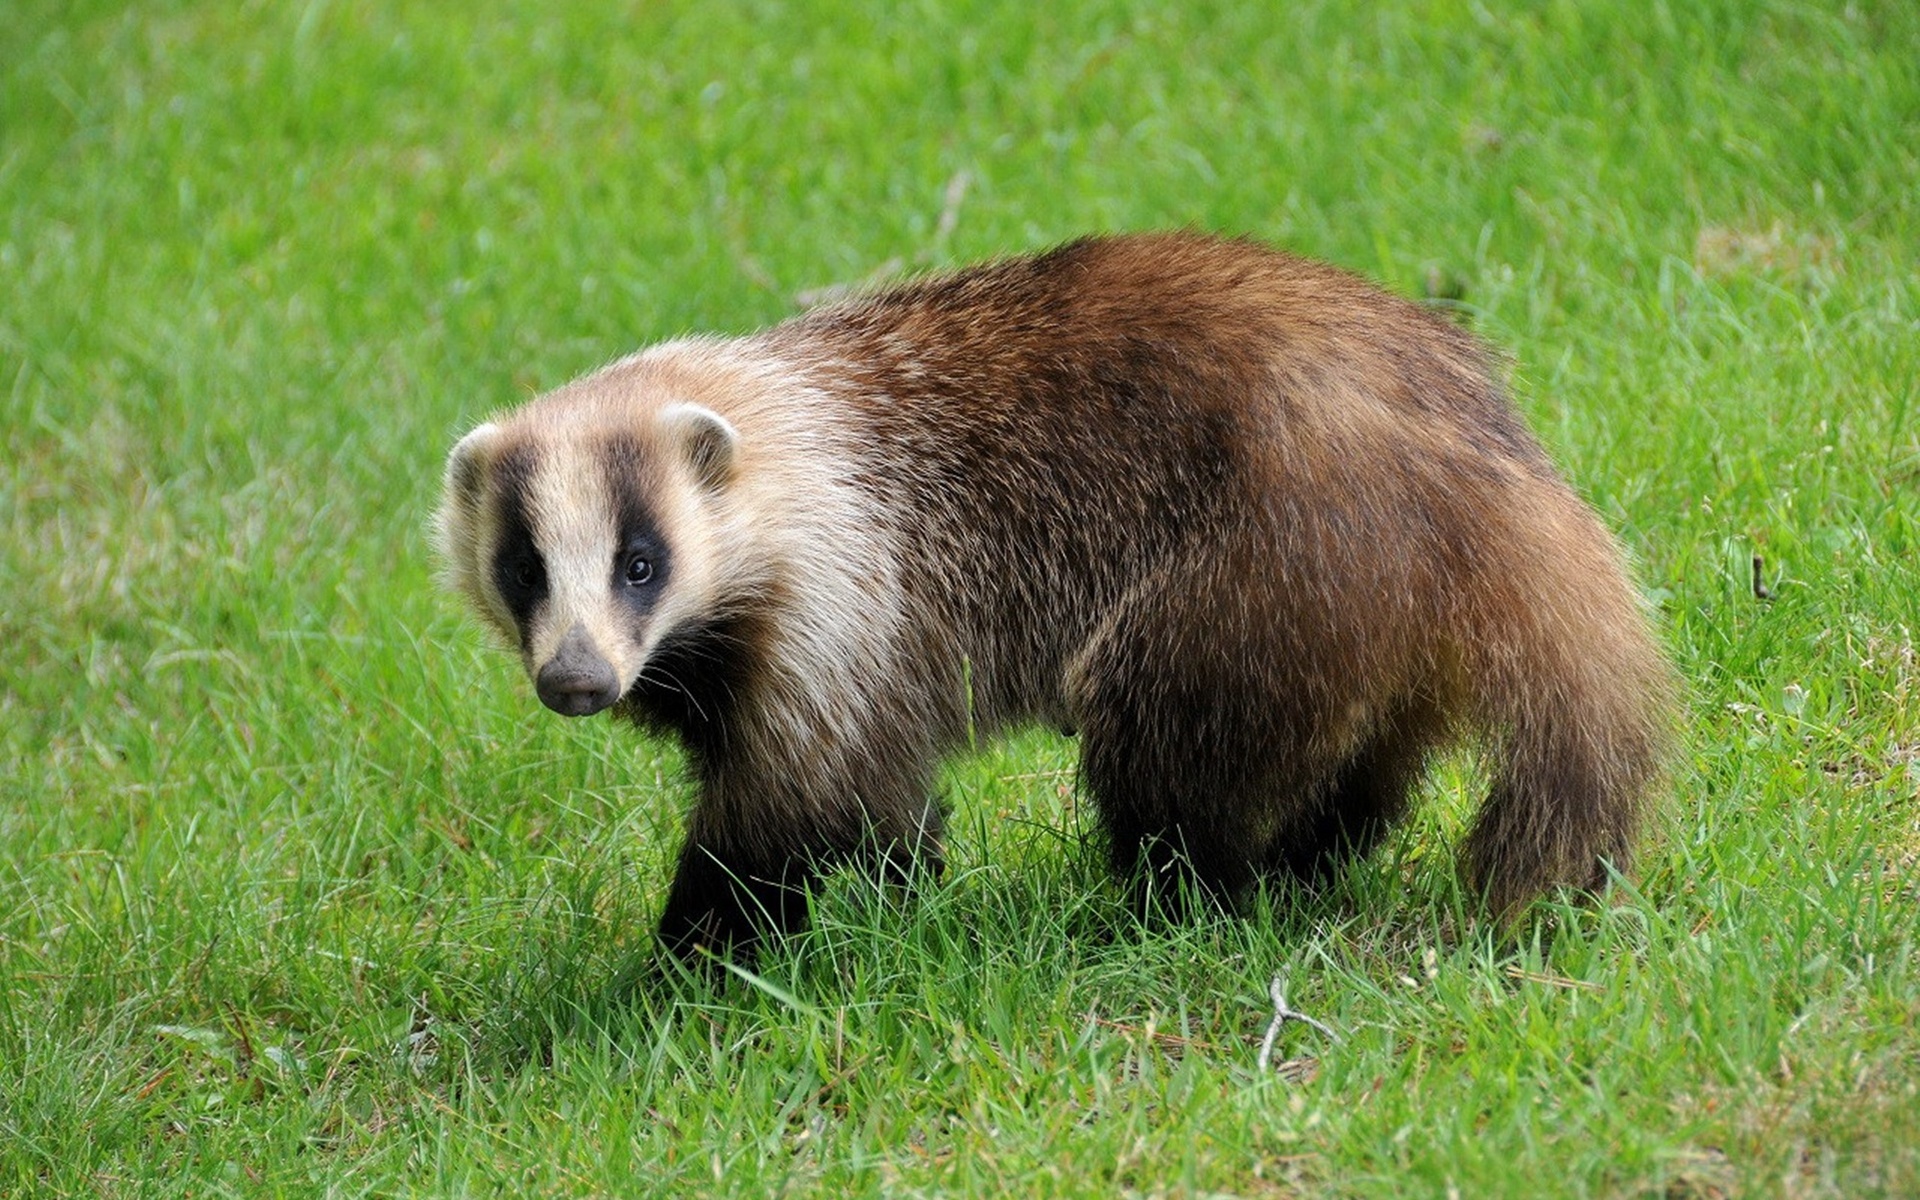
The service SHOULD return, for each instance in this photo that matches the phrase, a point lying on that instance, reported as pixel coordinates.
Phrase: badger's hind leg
(1366, 796)
(1195, 747)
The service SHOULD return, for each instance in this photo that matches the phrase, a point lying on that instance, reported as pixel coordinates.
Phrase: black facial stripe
(631, 473)
(519, 573)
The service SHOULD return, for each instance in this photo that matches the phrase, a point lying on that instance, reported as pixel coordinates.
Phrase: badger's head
(580, 528)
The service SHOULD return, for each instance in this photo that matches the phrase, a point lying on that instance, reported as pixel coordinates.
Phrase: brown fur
(1263, 534)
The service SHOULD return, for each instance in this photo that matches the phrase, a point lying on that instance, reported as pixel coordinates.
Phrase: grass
(301, 894)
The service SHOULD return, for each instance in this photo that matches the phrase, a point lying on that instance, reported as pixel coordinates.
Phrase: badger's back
(1046, 433)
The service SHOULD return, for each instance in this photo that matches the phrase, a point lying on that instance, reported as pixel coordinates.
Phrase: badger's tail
(1579, 698)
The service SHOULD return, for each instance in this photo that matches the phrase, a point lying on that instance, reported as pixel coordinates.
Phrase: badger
(1263, 535)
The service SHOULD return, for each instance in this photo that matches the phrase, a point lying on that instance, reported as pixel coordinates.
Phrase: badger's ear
(708, 441)
(466, 465)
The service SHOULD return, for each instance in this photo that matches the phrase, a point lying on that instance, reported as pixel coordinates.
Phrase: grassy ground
(301, 893)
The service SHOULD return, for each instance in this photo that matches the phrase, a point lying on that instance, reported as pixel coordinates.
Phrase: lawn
(302, 893)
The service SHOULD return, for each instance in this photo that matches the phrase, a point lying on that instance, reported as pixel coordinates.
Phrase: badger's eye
(639, 570)
(529, 573)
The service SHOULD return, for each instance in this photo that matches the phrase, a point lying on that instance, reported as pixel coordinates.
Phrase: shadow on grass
(588, 971)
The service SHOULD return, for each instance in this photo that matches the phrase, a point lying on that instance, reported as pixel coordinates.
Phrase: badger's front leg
(752, 853)
(724, 900)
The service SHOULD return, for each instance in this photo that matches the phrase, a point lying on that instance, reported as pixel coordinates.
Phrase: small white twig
(950, 210)
(1281, 1015)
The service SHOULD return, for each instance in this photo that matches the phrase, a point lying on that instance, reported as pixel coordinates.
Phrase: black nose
(577, 681)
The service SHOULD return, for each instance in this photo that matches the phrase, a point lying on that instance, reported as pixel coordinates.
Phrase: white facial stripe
(573, 525)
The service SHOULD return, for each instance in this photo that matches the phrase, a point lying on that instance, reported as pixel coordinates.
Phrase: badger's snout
(577, 681)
